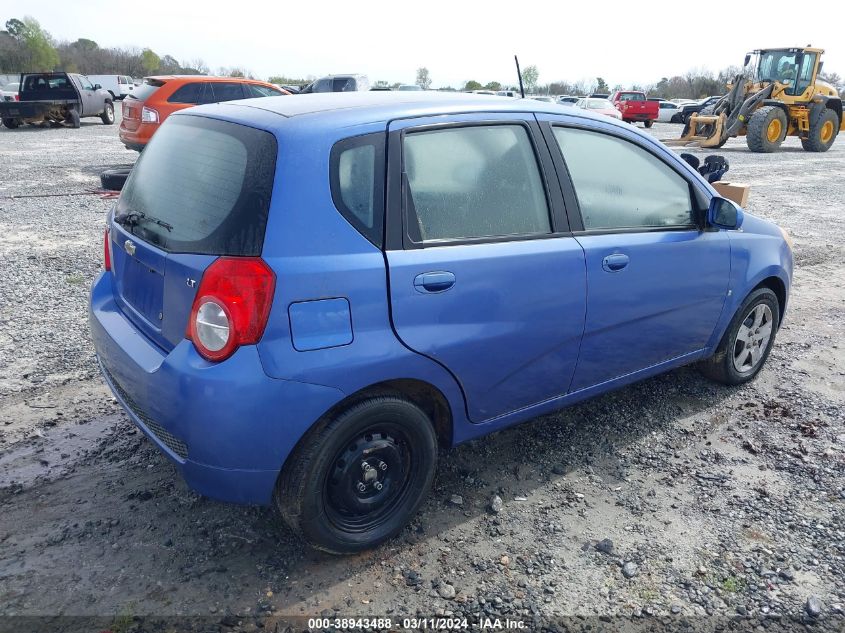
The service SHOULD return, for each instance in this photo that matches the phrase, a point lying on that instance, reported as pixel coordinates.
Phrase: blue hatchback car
(304, 297)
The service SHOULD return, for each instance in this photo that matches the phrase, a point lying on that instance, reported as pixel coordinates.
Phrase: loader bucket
(703, 130)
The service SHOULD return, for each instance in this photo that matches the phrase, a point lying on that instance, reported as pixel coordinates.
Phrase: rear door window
(189, 93)
(226, 91)
(473, 182)
(201, 186)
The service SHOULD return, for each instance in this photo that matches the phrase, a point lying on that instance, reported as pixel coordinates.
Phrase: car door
(485, 277)
(88, 94)
(656, 280)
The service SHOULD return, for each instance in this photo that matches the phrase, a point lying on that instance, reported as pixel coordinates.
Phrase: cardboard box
(735, 191)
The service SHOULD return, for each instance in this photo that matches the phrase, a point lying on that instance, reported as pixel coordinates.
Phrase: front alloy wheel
(752, 338)
(747, 342)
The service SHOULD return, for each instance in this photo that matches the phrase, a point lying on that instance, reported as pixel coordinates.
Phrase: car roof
(348, 108)
(205, 78)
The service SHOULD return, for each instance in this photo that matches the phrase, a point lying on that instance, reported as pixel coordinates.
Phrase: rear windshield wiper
(134, 218)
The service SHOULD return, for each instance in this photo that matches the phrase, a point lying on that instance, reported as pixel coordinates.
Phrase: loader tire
(766, 129)
(823, 132)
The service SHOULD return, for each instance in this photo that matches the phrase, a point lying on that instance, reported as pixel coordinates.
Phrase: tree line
(26, 47)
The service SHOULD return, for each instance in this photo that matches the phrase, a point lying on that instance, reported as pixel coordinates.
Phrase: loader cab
(795, 68)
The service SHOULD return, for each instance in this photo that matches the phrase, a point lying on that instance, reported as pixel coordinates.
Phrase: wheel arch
(425, 395)
(776, 285)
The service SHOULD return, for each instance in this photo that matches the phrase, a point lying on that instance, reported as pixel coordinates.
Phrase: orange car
(154, 100)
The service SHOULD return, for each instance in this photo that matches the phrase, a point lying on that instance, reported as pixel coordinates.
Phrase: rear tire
(648, 123)
(11, 123)
(107, 117)
(823, 132)
(114, 179)
(73, 119)
(357, 478)
(745, 346)
(766, 129)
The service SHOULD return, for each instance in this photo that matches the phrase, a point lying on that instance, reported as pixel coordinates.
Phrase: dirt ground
(718, 505)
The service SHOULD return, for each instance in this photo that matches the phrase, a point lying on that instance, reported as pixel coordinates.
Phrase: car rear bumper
(138, 138)
(228, 427)
(642, 116)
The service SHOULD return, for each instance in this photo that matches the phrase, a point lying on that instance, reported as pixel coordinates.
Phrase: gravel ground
(673, 498)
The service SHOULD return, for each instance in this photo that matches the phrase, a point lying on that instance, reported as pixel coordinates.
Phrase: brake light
(231, 306)
(17, 97)
(148, 115)
(107, 251)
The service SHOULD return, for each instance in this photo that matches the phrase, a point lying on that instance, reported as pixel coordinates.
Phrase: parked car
(668, 112)
(119, 86)
(307, 342)
(696, 106)
(338, 83)
(544, 98)
(9, 92)
(158, 97)
(635, 107)
(410, 87)
(599, 106)
(513, 94)
(599, 95)
(567, 100)
(57, 98)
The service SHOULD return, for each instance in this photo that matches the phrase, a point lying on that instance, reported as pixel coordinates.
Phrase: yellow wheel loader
(779, 95)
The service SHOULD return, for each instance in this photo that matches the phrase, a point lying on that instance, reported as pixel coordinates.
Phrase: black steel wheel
(358, 477)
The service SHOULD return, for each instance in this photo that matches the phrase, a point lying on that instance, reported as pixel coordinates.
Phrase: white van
(118, 85)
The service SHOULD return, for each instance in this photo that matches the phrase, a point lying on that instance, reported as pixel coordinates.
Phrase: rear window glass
(357, 183)
(202, 186)
(145, 90)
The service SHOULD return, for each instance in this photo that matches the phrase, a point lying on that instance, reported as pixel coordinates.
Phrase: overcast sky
(456, 40)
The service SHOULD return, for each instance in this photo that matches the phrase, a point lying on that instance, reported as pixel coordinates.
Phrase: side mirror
(97, 87)
(747, 59)
(724, 214)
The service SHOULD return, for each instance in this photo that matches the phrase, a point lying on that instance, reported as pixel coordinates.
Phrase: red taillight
(231, 306)
(17, 97)
(106, 250)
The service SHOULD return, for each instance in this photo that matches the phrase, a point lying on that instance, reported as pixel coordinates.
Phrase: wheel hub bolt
(378, 485)
(382, 466)
(365, 466)
(361, 486)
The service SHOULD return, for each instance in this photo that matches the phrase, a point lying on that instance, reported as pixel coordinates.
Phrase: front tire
(746, 344)
(107, 117)
(357, 478)
(766, 129)
(11, 123)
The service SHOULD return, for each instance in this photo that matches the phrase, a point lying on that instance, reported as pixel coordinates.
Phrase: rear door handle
(614, 263)
(433, 282)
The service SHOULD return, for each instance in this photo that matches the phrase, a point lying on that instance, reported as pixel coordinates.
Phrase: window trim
(377, 140)
(558, 222)
(576, 220)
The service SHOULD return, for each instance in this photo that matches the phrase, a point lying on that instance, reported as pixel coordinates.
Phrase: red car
(634, 106)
